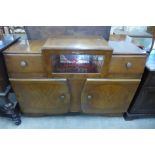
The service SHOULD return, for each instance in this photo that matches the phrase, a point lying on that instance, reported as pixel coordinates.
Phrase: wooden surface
(119, 64)
(34, 65)
(76, 87)
(108, 96)
(42, 96)
(37, 88)
(35, 46)
(25, 46)
(76, 43)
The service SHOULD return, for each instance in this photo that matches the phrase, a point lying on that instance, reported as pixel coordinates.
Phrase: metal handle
(129, 65)
(89, 97)
(62, 97)
(23, 63)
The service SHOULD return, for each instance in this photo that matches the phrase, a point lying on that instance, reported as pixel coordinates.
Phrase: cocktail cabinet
(74, 74)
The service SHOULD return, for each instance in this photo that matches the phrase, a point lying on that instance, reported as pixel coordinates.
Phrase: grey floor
(78, 122)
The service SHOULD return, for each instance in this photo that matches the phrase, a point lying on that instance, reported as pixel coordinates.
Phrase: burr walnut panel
(42, 96)
(108, 95)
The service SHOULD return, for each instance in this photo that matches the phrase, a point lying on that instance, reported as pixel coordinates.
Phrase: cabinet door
(42, 96)
(108, 95)
(145, 102)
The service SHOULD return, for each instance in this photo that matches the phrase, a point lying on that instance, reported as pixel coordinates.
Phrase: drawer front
(20, 63)
(108, 96)
(42, 96)
(127, 64)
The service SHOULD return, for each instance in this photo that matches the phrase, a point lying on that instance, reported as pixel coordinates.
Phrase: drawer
(21, 63)
(127, 64)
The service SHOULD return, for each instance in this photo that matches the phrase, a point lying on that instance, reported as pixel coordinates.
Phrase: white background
(77, 142)
(77, 12)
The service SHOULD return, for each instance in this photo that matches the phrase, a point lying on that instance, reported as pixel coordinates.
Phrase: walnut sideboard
(74, 74)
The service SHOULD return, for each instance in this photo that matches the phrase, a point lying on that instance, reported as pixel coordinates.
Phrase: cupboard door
(42, 96)
(111, 96)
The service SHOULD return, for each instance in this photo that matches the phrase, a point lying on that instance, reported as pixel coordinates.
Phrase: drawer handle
(129, 65)
(62, 97)
(89, 97)
(23, 63)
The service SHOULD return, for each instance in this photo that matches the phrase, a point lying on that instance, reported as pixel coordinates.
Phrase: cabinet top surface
(25, 46)
(77, 43)
(74, 43)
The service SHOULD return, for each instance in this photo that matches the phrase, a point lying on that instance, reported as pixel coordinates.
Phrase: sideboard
(74, 74)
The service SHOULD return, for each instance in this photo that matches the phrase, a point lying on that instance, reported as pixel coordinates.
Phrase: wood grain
(42, 96)
(76, 86)
(108, 95)
(34, 64)
(77, 43)
(40, 91)
(119, 62)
